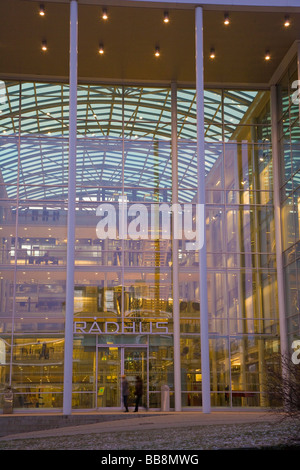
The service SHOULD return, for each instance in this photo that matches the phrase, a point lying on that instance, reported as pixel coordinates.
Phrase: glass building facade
(289, 141)
(124, 291)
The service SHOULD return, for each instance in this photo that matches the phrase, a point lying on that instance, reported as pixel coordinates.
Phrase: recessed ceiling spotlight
(104, 14)
(267, 55)
(212, 54)
(226, 19)
(42, 10)
(157, 51)
(166, 17)
(44, 45)
(287, 21)
(101, 49)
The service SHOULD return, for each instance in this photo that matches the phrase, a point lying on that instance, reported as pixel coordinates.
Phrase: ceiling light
(157, 51)
(44, 45)
(166, 17)
(226, 19)
(101, 49)
(287, 21)
(212, 53)
(42, 10)
(267, 55)
(104, 14)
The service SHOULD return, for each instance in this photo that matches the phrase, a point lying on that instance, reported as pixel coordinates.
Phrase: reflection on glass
(124, 151)
(109, 378)
(38, 371)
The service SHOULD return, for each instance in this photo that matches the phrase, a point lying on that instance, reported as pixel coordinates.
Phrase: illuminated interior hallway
(137, 141)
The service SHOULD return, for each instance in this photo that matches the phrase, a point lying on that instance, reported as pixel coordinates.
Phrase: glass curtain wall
(125, 282)
(123, 285)
(289, 140)
(242, 290)
(34, 172)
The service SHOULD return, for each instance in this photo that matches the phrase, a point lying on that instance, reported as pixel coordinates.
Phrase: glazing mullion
(123, 196)
(277, 219)
(175, 264)
(205, 365)
(16, 240)
(68, 353)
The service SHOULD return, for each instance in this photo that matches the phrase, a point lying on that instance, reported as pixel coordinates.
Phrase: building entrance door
(112, 363)
(108, 377)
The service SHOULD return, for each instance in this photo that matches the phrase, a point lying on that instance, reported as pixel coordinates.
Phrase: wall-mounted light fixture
(104, 14)
(42, 11)
(287, 21)
(226, 19)
(166, 17)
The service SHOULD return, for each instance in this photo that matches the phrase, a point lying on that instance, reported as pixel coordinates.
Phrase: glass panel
(288, 218)
(7, 301)
(109, 377)
(38, 372)
(40, 301)
(160, 364)
(191, 371)
(147, 113)
(135, 365)
(220, 371)
(217, 303)
(99, 111)
(124, 150)
(84, 372)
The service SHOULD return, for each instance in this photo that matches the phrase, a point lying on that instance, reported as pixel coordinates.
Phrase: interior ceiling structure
(143, 140)
(130, 36)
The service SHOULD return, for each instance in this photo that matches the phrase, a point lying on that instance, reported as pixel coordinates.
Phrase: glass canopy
(112, 121)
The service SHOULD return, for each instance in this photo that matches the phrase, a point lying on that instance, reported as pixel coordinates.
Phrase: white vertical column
(68, 358)
(205, 369)
(175, 267)
(277, 220)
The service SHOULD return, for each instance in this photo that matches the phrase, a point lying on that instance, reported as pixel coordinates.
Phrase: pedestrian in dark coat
(138, 392)
(125, 392)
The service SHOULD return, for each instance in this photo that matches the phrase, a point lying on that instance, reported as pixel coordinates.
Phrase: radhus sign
(111, 327)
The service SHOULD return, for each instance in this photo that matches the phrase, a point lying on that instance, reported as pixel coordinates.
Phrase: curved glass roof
(112, 121)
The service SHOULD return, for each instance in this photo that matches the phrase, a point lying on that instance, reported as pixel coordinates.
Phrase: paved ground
(140, 433)
(159, 421)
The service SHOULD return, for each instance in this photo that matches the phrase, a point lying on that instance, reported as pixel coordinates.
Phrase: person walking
(125, 392)
(138, 392)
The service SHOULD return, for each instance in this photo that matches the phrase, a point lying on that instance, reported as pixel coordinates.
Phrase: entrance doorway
(112, 363)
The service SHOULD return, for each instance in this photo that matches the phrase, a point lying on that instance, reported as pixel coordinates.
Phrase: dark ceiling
(130, 36)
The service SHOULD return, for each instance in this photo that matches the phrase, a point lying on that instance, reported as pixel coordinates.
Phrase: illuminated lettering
(164, 328)
(95, 328)
(111, 327)
(79, 329)
(111, 323)
(129, 327)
